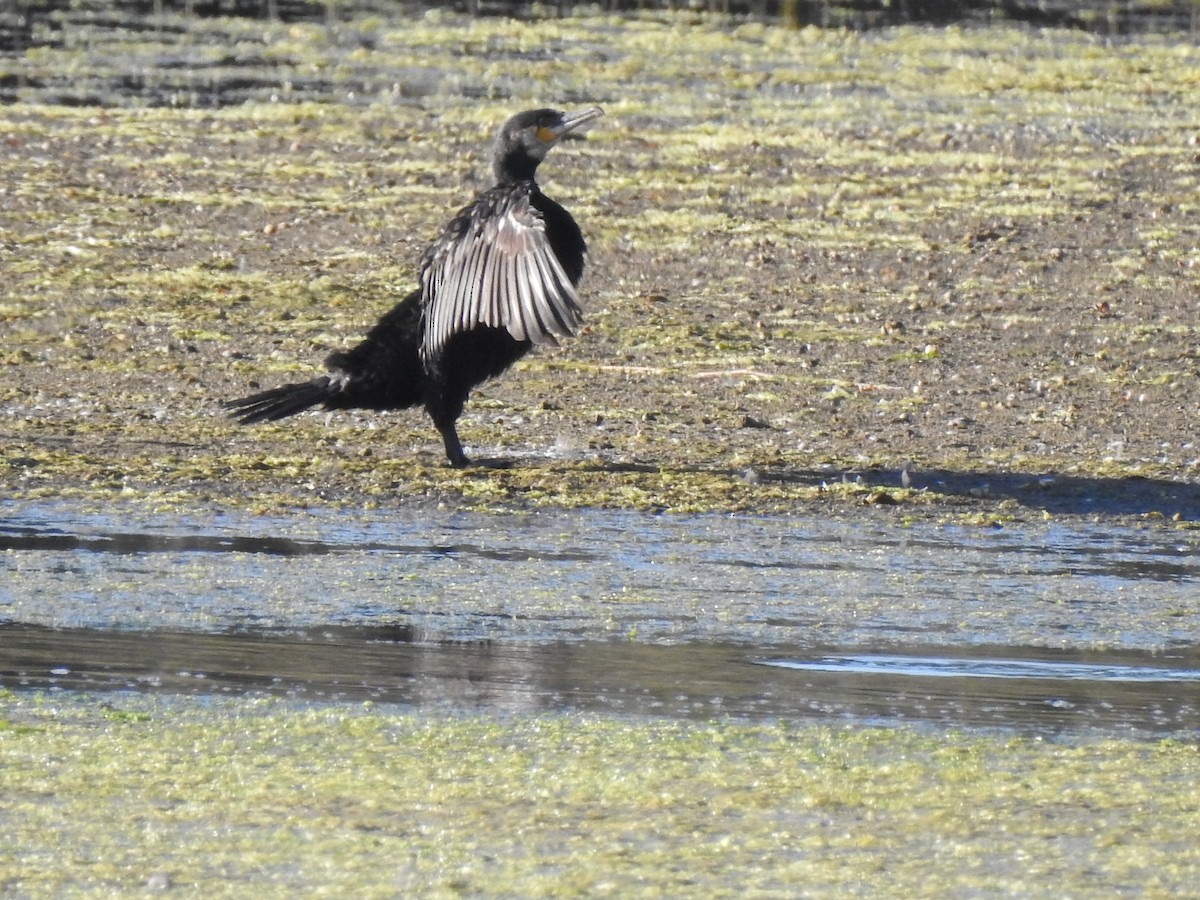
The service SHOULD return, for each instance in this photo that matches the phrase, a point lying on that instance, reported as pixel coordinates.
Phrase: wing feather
(474, 265)
(489, 293)
(566, 315)
(533, 295)
(494, 266)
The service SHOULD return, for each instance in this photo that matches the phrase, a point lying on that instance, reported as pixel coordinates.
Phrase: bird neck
(513, 167)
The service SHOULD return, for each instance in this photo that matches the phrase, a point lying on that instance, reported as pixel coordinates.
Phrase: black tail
(281, 402)
(384, 371)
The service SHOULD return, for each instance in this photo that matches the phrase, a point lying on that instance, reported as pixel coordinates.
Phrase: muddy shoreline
(912, 273)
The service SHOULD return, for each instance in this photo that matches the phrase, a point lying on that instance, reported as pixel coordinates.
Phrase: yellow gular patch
(546, 135)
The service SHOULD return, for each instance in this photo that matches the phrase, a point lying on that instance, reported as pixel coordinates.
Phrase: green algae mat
(218, 798)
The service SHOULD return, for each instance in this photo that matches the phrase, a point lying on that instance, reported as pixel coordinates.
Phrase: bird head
(524, 140)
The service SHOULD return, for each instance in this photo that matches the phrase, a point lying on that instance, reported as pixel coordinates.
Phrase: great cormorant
(499, 279)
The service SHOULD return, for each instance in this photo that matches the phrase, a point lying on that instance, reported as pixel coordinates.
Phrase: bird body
(499, 279)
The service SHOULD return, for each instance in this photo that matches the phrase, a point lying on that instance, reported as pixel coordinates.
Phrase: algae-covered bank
(959, 263)
(208, 799)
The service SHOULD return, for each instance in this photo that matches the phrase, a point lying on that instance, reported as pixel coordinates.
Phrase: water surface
(1044, 627)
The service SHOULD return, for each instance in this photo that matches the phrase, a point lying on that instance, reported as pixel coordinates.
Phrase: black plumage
(500, 278)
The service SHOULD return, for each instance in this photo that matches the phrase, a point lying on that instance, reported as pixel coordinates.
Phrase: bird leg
(454, 449)
(444, 407)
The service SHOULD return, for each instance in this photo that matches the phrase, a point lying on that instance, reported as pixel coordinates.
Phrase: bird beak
(577, 123)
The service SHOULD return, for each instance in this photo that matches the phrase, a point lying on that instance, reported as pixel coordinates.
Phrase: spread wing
(494, 266)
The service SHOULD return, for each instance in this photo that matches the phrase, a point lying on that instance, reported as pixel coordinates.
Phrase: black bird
(499, 279)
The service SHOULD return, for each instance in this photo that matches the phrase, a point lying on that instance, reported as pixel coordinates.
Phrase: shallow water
(1035, 627)
(1055, 693)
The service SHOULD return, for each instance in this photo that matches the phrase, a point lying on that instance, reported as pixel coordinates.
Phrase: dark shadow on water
(1037, 691)
(49, 539)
